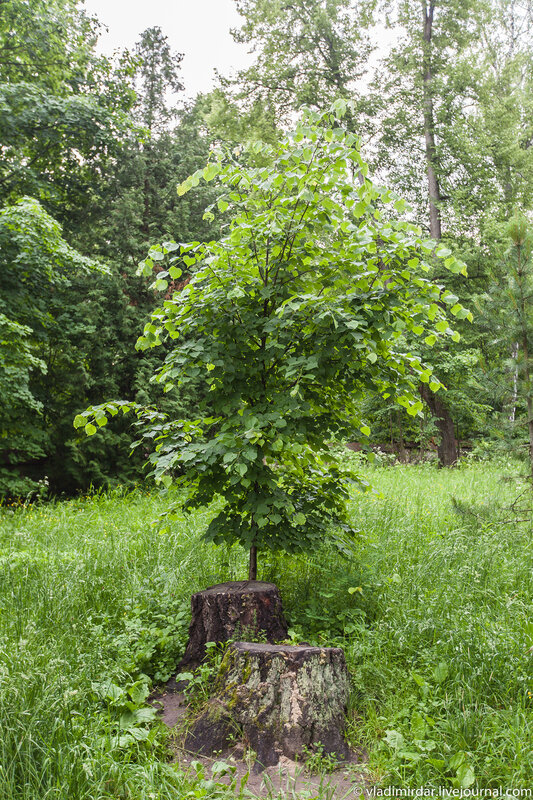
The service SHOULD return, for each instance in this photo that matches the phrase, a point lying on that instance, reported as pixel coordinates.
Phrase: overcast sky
(200, 29)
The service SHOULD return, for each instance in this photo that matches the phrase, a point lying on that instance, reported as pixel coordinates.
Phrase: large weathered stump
(240, 609)
(281, 697)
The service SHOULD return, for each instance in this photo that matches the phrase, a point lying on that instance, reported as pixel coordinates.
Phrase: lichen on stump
(239, 609)
(283, 698)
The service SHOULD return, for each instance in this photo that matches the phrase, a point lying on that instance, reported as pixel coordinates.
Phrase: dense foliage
(87, 169)
(442, 114)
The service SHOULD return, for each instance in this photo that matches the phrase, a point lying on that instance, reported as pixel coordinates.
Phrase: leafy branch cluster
(296, 313)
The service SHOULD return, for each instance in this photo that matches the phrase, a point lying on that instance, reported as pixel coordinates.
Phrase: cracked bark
(282, 698)
(235, 609)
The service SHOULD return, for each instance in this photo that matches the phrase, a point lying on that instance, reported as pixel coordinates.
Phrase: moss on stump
(283, 698)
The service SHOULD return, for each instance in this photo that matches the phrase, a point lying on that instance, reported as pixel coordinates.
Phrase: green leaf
(138, 692)
(236, 293)
(211, 171)
(440, 673)
(184, 187)
(340, 107)
(184, 676)
(418, 726)
(90, 429)
(394, 739)
(466, 776)
(457, 760)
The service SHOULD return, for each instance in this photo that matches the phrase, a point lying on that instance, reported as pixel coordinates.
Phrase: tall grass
(73, 576)
(434, 609)
(439, 631)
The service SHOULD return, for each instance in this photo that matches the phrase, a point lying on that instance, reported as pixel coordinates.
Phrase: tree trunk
(525, 351)
(402, 452)
(145, 227)
(447, 448)
(529, 403)
(283, 699)
(422, 437)
(514, 356)
(252, 568)
(429, 125)
(240, 609)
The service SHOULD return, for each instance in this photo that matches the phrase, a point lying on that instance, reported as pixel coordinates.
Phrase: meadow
(432, 602)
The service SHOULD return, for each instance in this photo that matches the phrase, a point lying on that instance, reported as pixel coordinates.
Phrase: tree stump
(283, 698)
(240, 609)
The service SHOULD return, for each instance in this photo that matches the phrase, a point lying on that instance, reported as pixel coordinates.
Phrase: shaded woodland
(92, 152)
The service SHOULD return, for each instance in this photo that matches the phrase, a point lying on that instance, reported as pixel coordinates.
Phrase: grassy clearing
(434, 610)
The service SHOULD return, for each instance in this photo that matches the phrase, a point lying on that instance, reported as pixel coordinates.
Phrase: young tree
(139, 201)
(292, 317)
(508, 312)
(157, 78)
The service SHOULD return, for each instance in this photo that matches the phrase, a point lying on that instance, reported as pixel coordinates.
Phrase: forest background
(93, 149)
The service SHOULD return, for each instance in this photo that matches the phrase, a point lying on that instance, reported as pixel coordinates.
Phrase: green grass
(434, 610)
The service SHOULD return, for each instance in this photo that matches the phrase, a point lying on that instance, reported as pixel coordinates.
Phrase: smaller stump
(283, 698)
(238, 609)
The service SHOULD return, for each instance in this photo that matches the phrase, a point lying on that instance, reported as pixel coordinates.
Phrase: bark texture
(522, 276)
(428, 10)
(447, 448)
(283, 698)
(240, 609)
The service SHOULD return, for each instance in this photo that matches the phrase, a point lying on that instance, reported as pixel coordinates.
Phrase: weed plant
(433, 607)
